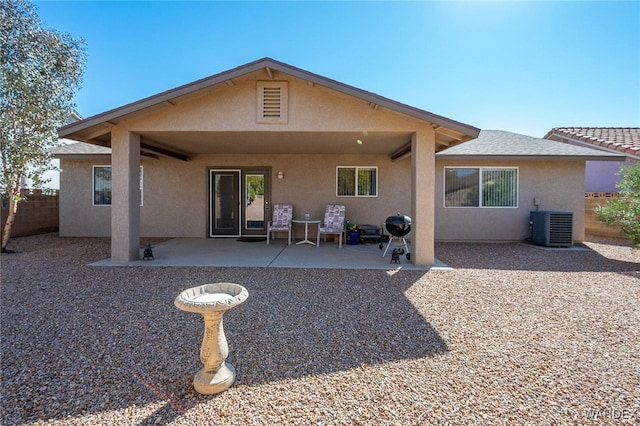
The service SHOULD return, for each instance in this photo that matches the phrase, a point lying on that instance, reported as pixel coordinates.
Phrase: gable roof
(499, 144)
(95, 129)
(621, 139)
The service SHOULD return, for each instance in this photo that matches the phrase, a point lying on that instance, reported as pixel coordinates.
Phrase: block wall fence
(592, 226)
(38, 213)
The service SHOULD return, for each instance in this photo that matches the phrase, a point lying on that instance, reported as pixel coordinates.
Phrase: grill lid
(398, 225)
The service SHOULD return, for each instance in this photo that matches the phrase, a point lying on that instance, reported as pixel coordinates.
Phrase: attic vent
(271, 97)
(272, 102)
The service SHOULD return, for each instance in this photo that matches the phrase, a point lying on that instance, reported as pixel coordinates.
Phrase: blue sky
(519, 66)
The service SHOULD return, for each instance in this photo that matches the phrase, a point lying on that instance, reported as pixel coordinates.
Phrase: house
(602, 176)
(511, 175)
(180, 159)
(209, 158)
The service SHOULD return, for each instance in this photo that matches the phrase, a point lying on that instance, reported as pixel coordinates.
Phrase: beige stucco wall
(310, 108)
(176, 197)
(558, 184)
(78, 218)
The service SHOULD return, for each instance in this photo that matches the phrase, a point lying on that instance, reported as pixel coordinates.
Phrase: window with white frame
(102, 185)
(354, 181)
(481, 187)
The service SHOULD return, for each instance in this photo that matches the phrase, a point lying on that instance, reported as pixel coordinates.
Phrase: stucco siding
(602, 176)
(309, 107)
(78, 216)
(176, 193)
(559, 185)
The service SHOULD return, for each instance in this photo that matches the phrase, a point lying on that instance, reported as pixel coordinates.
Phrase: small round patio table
(306, 231)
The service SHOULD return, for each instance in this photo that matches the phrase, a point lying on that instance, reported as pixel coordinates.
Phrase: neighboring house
(208, 159)
(602, 176)
(512, 175)
(203, 144)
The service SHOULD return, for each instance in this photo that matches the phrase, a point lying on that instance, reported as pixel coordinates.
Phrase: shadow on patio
(527, 257)
(229, 252)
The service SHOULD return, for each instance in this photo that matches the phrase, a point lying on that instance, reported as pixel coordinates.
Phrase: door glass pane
(254, 201)
(226, 202)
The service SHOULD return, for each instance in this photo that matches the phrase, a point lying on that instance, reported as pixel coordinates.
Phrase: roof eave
(79, 156)
(531, 157)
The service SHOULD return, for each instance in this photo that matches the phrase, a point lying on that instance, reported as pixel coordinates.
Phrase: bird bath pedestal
(212, 301)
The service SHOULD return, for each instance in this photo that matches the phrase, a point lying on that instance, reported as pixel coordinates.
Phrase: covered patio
(183, 161)
(229, 252)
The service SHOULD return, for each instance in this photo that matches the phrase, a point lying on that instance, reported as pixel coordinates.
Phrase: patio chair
(333, 221)
(281, 221)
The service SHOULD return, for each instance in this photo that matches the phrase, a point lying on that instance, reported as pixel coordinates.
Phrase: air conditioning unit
(551, 228)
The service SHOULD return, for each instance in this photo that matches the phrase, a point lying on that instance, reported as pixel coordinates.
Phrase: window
(481, 187)
(102, 185)
(356, 181)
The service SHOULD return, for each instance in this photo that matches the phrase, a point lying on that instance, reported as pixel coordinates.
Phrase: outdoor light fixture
(280, 175)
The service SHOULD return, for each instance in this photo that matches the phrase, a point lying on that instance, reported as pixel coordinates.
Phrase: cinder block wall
(592, 225)
(38, 213)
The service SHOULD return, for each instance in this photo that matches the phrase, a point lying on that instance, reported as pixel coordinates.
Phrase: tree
(40, 71)
(624, 211)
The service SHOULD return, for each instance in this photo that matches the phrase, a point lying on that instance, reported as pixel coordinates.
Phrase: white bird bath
(212, 301)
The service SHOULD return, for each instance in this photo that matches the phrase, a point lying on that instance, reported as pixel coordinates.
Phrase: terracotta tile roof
(623, 139)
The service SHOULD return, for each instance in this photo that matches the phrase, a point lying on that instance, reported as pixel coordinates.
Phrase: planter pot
(353, 238)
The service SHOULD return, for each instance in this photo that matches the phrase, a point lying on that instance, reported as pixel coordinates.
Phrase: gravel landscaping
(514, 334)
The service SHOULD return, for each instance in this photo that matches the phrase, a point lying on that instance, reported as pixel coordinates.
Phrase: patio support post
(125, 198)
(423, 197)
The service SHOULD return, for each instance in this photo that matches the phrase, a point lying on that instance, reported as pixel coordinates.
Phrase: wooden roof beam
(99, 132)
(450, 133)
(145, 144)
(401, 153)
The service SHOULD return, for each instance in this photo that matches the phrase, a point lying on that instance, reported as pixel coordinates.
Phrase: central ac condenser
(551, 228)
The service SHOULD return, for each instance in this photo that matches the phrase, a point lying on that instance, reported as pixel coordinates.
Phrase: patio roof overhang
(184, 145)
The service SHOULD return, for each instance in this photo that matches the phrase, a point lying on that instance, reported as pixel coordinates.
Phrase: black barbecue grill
(398, 226)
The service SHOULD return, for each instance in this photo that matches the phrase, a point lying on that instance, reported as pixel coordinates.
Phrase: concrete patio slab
(229, 252)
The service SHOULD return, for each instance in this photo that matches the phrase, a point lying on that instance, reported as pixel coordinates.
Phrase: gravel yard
(515, 334)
